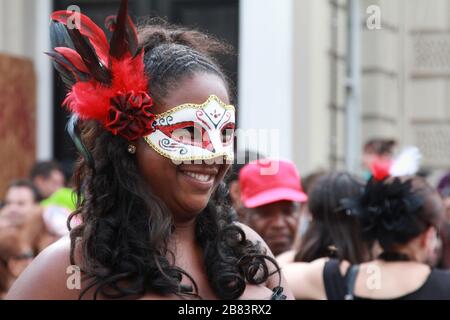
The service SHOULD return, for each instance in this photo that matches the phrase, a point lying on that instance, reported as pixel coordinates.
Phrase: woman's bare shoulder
(49, 276)
(306, 278)
(286, 257)
(275, 279)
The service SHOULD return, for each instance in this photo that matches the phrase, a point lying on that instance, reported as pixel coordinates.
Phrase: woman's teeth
(198, 176)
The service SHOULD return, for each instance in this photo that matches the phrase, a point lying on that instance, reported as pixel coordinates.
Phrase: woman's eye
(189, 134)
(227, 135)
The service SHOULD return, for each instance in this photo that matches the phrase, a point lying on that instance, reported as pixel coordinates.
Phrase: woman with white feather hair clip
(402, 213)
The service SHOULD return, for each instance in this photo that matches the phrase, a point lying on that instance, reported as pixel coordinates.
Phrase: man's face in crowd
(276, 223)
(48, 185)
(19, 203)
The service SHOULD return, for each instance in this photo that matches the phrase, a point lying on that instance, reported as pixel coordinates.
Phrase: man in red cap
(271, 192)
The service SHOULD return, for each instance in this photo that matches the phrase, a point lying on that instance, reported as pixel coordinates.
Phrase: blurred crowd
(302, 219)
(310, 230)
(33, 214)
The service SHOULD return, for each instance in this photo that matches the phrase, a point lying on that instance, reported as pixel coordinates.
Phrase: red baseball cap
(266, 181)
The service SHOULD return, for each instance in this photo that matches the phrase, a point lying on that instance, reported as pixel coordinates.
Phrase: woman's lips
(198, 176)
(201, 180)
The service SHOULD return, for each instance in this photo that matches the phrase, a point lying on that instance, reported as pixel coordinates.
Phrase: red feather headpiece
(106, 81)
(380, 168)
(405, 164)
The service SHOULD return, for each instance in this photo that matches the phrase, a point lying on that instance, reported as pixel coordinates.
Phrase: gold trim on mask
(182, 159)
(196, 106)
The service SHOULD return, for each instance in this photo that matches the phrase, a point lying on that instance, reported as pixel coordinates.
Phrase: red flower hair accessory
(106, 81)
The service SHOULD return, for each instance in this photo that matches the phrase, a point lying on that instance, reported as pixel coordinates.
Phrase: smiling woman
(154, 220)
(194, 183)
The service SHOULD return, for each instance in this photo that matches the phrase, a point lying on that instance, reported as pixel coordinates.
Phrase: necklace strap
(393, 256)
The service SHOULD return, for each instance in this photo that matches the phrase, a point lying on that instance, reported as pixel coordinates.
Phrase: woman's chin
(194, 205)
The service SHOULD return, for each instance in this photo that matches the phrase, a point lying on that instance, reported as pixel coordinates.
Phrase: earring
(131, 149)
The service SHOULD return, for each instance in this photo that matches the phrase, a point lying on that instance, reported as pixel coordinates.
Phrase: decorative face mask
(195, 131)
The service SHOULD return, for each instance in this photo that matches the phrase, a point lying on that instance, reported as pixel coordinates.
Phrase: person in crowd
(377, 149)
(48, 177)
(241, 159)
(21, 201)
(23, 211)
(57, 209)
(15, 255)
(308, 184)
(444, 190)
(271, 192)
(400, 213)
(154, 222)
(332, 232)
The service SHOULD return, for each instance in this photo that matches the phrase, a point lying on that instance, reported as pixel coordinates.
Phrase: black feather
(119, 41)
(66, 76)
(71, 129)
(59, 36)
(97, 70)
(132, 38)
(67, 71)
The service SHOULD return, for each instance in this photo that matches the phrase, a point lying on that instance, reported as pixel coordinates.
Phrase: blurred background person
(241, 159)
(379, 149)
(271, 201)
(21, 201)
(57, 209)
(15, 255)
(402, 215)
(308, 184)
(57, 200)
(332, 232)
(444, 189)
(23, 211)
(48, 177)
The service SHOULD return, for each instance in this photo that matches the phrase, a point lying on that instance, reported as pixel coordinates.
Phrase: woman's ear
(428, 240)
(432, 246)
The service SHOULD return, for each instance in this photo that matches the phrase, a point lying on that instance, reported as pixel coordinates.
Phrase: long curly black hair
(125, 228)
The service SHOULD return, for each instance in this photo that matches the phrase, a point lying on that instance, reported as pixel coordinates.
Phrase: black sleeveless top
(436, 287)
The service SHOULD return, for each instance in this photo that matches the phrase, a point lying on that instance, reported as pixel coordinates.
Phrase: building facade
(404, 76)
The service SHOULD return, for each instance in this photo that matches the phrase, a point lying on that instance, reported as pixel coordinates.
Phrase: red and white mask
(192, 132)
